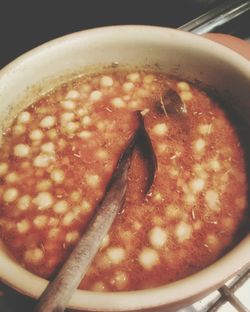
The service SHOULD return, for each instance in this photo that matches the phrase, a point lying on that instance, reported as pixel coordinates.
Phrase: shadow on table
(12, 301)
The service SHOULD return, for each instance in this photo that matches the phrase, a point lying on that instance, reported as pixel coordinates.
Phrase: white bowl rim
(130, 28)
(184, 289)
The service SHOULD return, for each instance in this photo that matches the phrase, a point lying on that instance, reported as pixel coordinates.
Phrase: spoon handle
(60, 290)
(218, 16)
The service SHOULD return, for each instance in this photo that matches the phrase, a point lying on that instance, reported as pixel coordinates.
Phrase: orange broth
(60, 153)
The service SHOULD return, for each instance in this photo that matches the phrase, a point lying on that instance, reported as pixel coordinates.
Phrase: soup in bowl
(72, 113)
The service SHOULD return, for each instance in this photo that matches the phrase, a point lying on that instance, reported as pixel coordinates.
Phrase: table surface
(24, 26)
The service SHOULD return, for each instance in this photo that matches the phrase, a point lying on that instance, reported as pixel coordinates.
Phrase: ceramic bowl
(182, 54)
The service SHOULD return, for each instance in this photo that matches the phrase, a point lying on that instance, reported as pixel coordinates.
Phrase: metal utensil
(59, 291)
(216, 17)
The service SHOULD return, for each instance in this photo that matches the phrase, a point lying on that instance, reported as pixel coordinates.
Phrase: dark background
(27, 24)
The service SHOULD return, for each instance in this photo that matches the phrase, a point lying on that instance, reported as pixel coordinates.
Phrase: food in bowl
(60, 152)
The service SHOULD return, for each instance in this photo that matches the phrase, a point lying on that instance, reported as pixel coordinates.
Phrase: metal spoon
(60, 290)
(171, 103)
